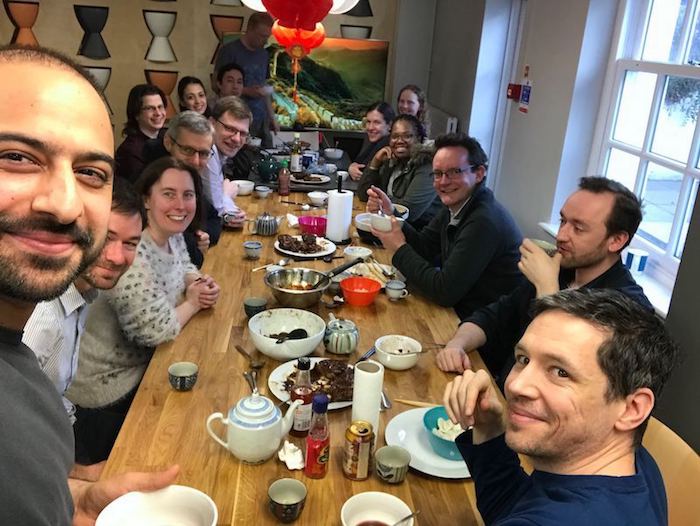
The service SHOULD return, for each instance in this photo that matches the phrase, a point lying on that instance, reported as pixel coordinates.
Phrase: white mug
(396, 289)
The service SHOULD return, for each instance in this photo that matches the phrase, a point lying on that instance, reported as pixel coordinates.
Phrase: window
(650, 139)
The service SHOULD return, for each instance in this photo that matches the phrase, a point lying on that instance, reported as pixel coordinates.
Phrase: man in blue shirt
(249, 53)
(587, 373)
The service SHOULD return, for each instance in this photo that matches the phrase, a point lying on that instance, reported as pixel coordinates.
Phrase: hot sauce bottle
(318, 448)
(302, 391)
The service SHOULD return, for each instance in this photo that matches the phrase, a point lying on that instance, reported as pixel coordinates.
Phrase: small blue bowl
(445, 448)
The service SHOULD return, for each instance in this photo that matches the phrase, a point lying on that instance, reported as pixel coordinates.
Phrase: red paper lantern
(298, 42)
(302, 14)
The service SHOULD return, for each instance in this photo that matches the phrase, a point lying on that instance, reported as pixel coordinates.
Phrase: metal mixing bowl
(280, 281)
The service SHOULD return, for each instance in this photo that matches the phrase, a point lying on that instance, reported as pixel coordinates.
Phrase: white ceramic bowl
(364, 222)
(382, 223)
(318, 198)
(353, 252)
(245, 187)
(333, 153)
(388, 354)
(274, 321)
(374, 505)
(343, 174)
(263, 191)
(402, 211)
(171, 505)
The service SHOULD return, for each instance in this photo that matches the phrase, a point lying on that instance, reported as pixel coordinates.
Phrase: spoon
(282, 263)
(331, 257)
(255, 363)
(251, 379)
(406, 518)
(294, 334)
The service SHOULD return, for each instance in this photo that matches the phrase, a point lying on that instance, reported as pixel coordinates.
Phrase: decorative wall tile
(227, 2)
(102, 76)
(348, 31)
(160, 24)
(92, 20)
(224, 24)
(166, 81)
(23, 16)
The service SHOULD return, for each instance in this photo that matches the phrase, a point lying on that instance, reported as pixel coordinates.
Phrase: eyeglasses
(233, 131)
(452, 173)
(191, 152)
(401, 136)
(151, 109)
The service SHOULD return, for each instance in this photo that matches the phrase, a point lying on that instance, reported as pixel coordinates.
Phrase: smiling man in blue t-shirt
(587, 373)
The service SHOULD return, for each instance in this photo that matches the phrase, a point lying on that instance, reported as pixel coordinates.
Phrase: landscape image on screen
(337, 82)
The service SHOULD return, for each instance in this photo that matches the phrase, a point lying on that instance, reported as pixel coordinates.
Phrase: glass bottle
(283, 179)
(302, 391)
(318, 449)
(295, 164)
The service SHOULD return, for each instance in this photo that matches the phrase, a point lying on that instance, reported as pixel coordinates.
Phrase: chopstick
(415, 403)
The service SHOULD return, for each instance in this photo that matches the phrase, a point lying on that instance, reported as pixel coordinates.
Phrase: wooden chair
(680, 469)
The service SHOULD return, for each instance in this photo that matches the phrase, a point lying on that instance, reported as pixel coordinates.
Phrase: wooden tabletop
(165, 427)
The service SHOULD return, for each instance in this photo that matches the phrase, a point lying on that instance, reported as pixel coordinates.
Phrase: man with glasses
(231, 120)
(475, 238)
(249, 53)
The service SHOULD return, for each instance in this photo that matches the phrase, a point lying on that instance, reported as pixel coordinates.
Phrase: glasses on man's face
(151, 109)
(401, 136)
(452, 173)
(188, 151)
(233, 131)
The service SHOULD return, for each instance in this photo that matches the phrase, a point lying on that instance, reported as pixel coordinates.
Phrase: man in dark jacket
(597, 222)
(475, 238)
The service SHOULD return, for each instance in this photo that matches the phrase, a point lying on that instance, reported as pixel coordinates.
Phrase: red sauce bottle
(302, 391)
(318, 450)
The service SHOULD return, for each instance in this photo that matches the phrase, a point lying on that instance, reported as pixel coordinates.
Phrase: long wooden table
(165, 426)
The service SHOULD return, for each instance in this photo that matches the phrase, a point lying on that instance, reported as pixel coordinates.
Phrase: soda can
(357, 450)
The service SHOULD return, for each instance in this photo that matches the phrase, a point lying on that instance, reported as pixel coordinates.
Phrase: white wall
(534, 154)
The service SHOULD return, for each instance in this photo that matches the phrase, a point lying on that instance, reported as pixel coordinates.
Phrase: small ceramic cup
(183, 375)
(252, 249)
(342, 174)
(391, 463)
(262, 191)
(396, 289)
(286, 498)
(253, 306)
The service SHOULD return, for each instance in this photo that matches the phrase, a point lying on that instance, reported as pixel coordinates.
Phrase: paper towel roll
(367, 393)
(339, 215)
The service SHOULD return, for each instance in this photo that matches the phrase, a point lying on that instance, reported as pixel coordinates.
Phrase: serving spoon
(282, 263)
(255, 363)
(294, 334)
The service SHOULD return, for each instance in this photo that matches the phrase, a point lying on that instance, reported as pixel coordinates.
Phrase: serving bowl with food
(397, 352)
(442, 433)
(360, 291)
(267, 328)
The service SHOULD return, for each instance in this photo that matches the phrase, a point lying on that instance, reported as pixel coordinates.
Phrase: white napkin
(292, 220)
(291, 456)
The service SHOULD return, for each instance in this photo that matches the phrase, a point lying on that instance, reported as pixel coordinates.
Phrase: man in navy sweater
(596, 223)
(587, 373)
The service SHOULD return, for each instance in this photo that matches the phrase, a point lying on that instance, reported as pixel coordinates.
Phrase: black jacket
(478, 256)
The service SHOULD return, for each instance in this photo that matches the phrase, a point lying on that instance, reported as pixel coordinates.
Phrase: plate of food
(304, 246)
(310, 179)
(333, 377)
(406, 430)
(371, 269)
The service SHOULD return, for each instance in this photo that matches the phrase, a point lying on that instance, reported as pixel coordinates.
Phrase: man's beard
(34, 277)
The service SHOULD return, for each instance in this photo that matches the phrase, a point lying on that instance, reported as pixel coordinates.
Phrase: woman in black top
(377, 125)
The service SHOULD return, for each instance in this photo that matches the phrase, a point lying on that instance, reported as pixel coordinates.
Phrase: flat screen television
(337, 82)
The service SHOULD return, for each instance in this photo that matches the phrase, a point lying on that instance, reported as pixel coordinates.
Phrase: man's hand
(90, 499)
(471, 400)
(539, 268)
(236, 220)
(376, 198)
(355, 171)
(382, 155)
(394, 238)
(453, 359)
(202, 241)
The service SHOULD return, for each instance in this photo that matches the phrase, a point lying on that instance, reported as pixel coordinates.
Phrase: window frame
(630, 33)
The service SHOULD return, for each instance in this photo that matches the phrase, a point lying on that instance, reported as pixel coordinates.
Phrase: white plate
(327, 247)
(322, 179)
(362, 269)
(407, 430)
(275, 382)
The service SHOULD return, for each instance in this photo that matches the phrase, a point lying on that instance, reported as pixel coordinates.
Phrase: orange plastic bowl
(359, 291)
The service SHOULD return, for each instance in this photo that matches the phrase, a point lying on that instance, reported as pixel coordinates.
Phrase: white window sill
(659, 293)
